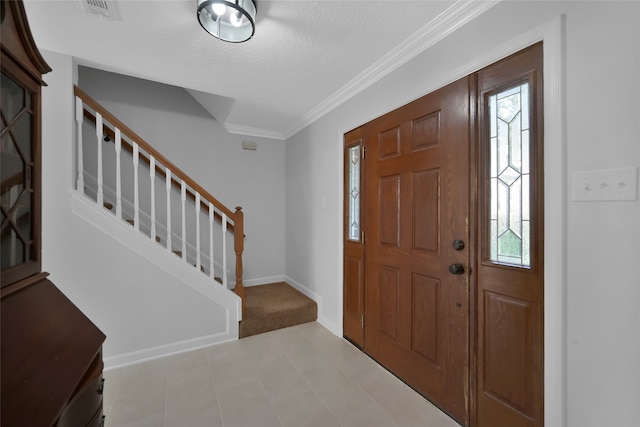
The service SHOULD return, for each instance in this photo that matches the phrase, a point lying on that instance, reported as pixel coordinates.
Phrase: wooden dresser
(51, 359)
(50, 352)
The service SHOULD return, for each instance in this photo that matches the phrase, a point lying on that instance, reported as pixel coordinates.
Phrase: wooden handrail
(150, 150)
(238, 216)
(175, 183)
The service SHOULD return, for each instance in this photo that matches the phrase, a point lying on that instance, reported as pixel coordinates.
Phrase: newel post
(238, 228)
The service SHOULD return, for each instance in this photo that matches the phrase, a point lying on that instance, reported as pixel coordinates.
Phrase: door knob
(456, 268)
(458, 245)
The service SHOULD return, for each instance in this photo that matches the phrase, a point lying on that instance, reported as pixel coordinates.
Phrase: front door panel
(417, 205)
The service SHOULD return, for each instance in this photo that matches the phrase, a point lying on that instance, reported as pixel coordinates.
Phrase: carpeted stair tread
(275, 306)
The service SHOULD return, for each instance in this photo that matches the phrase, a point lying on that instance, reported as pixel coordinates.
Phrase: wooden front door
(452, 249)
(417, 245)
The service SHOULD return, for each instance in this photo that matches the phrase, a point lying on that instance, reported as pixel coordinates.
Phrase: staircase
(123, 175)
(119, 170)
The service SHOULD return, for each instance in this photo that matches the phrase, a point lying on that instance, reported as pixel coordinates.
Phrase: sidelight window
(509, 177)
(354, 192)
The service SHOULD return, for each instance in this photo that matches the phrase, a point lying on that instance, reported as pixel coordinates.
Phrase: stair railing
(108, 128)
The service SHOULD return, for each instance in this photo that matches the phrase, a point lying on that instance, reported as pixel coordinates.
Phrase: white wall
(603, 132)
(177, 126)
(144, 311)
(592, 281)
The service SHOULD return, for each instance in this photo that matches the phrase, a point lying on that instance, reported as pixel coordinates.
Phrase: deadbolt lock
(458, 245)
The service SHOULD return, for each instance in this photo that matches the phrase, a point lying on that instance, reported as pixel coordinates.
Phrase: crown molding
(454, 17)
(252, 131)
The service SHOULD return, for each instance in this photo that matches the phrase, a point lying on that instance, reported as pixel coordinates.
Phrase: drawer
(84, 405)
(97, 420)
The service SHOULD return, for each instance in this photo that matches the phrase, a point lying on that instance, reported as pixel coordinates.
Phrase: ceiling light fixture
(232, 21)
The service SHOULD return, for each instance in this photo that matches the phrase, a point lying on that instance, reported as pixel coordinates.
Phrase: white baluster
(198, 258)
(211, 272)
(136, 196)
(80, 161)
(183, 196)
(118, 175)
(224, 249)
(168, 188)
(152, 177)
(99, 136)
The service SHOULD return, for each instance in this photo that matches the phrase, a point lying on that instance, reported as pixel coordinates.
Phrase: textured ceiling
(305, 57)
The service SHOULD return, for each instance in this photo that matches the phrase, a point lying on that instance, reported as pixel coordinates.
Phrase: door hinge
(363, 152)
(362, 321)
(363, 236)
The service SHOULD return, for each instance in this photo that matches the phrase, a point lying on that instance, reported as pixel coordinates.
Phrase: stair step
(274, 306)
(108, 205)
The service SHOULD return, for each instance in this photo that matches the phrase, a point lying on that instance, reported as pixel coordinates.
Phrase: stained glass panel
(509, 227)
(354, 193)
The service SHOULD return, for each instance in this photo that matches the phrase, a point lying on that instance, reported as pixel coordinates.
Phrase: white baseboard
(322, 319)
(206, 341)
(263, 280)
(147, 354)
(104, 221)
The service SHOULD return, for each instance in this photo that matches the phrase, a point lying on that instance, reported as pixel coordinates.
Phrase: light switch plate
(606, 185)
(248, 145)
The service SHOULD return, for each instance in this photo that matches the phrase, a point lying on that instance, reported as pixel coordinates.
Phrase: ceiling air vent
(104, 8)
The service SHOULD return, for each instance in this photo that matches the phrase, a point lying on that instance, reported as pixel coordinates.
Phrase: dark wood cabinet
(50, 352)
(51, 359)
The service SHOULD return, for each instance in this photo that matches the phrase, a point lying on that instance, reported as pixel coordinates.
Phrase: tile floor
(299, 376)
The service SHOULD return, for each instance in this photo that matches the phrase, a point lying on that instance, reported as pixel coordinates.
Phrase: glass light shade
(218, 8)
(236, 24)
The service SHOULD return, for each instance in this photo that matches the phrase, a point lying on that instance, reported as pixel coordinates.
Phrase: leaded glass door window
(354, 192)
(509, 175)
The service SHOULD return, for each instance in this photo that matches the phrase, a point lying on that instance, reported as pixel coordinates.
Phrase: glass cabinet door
(17, 168)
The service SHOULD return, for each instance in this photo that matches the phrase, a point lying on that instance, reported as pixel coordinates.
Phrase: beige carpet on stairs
(274, 306)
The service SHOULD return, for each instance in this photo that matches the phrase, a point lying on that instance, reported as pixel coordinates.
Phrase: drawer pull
(101, 388)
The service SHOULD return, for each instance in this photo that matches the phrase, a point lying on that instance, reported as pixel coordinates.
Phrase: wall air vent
(104, 8)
